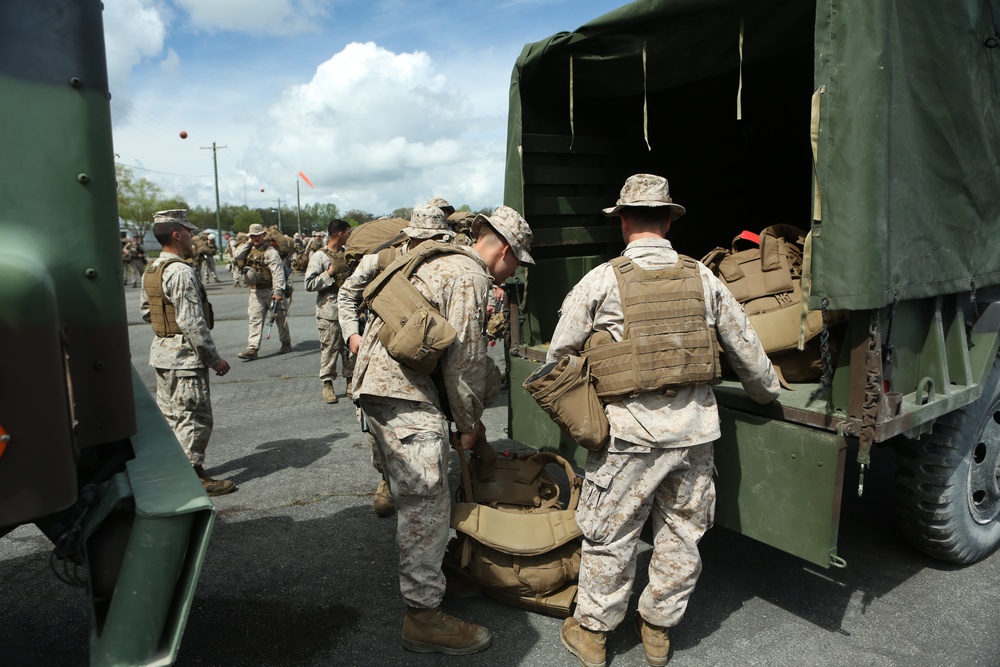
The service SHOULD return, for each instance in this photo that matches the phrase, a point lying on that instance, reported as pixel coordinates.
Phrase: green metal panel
(143, 622)
(780, 483)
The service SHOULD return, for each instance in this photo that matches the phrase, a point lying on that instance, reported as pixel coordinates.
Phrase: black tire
(948, 482)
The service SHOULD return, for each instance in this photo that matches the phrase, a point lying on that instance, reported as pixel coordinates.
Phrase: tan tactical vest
(255, 260)
(340, 270)
(667, 342)
(162, 314)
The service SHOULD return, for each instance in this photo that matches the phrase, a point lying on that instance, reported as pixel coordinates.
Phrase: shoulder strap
(407, 263)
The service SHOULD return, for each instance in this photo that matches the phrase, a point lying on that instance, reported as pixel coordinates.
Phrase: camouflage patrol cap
(442, 204)
(513, 228)
(427, 222)
(163, 219)
(257, 229)
(646, 190)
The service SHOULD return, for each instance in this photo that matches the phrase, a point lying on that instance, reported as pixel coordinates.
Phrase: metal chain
(994, 41)
(824, 344)
(888, 349)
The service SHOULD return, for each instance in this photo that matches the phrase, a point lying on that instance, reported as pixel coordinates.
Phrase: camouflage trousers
(209, 265)
(257, 309)
(622, 489)
(412, 443)
(185, 400)
(136, 267)
(332, 348)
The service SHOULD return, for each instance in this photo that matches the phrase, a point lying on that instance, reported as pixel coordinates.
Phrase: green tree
(138, 200)
(402, 212)
(245, 218)
(357, 216)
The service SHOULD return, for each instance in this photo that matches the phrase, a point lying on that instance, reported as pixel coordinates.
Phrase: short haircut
(647, 216)
(162, 231)
(337, 226)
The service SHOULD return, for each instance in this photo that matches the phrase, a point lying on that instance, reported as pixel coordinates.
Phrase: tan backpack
(767, 280)
(514, 536)
(414, 333)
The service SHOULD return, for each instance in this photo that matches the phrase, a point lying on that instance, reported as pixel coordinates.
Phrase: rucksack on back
(370, 237)
(283, 244)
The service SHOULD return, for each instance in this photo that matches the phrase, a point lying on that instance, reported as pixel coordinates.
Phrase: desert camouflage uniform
(405, 415)
(660, 459)
(331, 343)
(182, 361)
(260, 297)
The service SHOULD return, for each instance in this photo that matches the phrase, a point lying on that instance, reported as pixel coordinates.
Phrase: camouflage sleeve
(241, 251)
(576, 317)
(144, 305)
(470, 376)
(278, 283)
(181, 288)
(740, 342)
(317, 279)
(351, 292)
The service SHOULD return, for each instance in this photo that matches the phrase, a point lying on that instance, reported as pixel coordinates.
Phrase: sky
(382, 104)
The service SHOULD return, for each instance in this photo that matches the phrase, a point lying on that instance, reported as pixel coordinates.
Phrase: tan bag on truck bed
(766, 280)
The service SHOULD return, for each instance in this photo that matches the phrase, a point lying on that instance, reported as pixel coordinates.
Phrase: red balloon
(262, 189)
(184, 135)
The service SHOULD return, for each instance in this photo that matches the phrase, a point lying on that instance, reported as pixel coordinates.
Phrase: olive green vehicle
(873, 124)
(84, 452)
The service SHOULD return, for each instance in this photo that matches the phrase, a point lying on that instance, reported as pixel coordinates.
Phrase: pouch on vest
(525, 554)
(420, 341)
(565, 391)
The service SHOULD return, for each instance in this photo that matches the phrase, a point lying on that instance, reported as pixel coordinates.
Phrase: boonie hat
(427, 222)
(646, 190)
(510, 225)
(256, 229)
(442, 204)
(177, 215)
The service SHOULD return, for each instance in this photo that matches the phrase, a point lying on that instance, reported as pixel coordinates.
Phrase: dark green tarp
(908, 144)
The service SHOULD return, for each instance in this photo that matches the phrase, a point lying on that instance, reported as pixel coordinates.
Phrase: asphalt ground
(300, 572)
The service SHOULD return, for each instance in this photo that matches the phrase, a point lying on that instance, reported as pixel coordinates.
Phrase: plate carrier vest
(162, 314)
(255, 260)
(667, 342)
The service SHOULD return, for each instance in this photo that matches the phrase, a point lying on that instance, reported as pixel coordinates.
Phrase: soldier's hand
(277, 297)
(354, 343)
(469, 440)
(221, 368)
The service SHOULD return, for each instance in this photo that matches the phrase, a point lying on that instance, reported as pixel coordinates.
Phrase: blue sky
(381, 103)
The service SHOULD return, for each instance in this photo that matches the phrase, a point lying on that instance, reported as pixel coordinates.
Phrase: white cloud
(133, 30)
(377, 130)
(260, 17)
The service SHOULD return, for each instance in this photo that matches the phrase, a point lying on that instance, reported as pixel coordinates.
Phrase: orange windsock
(306, 179)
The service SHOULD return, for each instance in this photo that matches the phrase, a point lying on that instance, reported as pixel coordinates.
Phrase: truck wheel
(948, 482)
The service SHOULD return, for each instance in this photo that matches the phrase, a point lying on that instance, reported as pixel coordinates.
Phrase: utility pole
(279, 216)
(215, 163)
(298, 207)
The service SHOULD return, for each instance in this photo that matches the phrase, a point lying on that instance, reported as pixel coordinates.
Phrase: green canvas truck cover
(907, 154)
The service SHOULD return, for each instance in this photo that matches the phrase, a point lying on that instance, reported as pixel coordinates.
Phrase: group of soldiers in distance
(134, 258)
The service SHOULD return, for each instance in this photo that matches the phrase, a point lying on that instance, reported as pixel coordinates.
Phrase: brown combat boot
(214, 487)
(383, 500)
(433, 631)
(655, 641)
(248, 354)
(285, 348)
(329, 395)
(587, 645)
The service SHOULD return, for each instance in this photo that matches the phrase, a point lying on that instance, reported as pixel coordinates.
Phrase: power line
(165, 173)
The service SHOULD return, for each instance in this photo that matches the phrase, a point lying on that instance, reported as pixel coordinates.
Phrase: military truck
(84, 451)
(871, 124)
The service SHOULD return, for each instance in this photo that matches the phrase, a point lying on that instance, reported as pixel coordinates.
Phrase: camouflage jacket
(194, 348)
(687, 415)
(457, 284)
